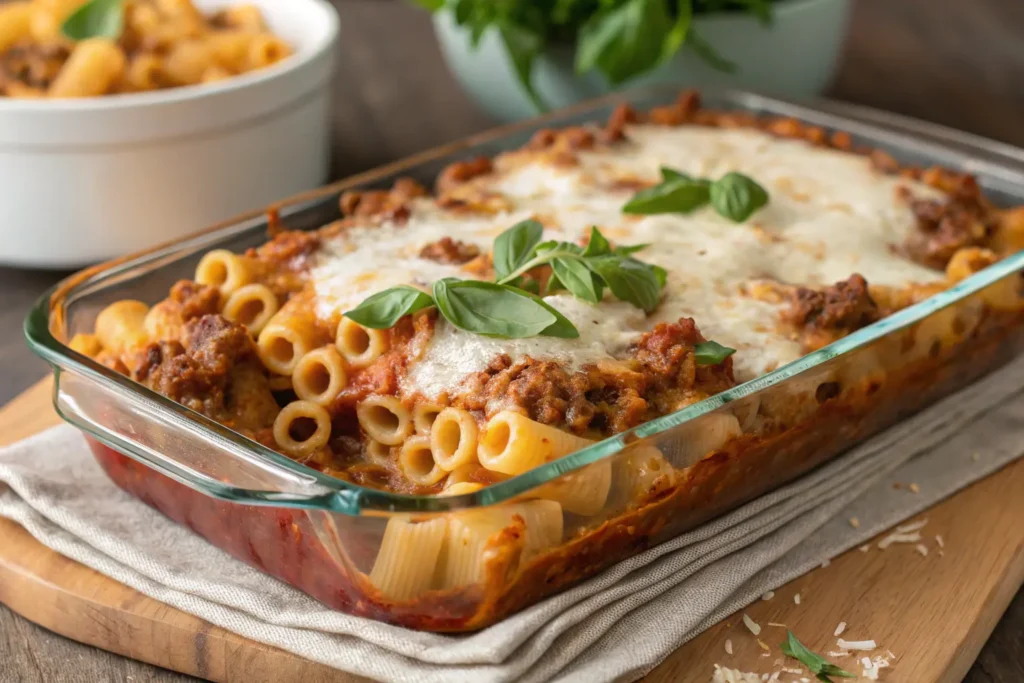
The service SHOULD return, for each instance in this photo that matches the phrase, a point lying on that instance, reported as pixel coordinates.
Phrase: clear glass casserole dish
(394, 557)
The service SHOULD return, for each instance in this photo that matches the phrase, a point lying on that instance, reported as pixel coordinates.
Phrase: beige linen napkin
(617, 626)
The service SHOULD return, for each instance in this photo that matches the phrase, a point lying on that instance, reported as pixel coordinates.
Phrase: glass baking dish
(394, 557)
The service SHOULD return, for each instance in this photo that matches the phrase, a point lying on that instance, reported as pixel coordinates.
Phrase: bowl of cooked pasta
(130, 123)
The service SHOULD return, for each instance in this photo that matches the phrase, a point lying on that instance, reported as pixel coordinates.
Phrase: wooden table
(952, 62)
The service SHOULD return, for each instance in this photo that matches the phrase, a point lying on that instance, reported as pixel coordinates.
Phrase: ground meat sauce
(447, 250)
(822, 316)
(945, 226)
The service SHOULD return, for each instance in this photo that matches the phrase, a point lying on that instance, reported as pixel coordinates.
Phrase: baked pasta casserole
(597, 278)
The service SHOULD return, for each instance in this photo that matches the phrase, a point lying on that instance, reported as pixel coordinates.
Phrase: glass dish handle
(168, 441)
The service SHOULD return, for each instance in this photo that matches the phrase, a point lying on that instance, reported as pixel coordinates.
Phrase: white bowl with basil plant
(519, 58)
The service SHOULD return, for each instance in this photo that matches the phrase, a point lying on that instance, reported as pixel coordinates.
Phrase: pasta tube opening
(453, 438)
(359, 345)
(302, 427)
(384, 419)
(417, 462)
(320, 376)
(252, 305)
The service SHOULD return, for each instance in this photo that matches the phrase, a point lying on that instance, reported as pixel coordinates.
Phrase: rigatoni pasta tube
(230, 49)
(188, 61)
(461, 488)
(145, 72)
(301, 428)
(384, 419)
(15, 23)
(512, 443)
(285, 339)
(424, 414)
(453, 438)
(224, 270)
(417, 462)
(463, 559)
(583, 492)
(359, 345)
(252, 305)
(266, 49)
(378, 453)
(86, 344)
(121, 326)
(408, 555)
(320, 376)
(244, 17)
(93, 67)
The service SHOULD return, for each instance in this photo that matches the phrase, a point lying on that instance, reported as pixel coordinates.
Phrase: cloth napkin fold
(616, 626)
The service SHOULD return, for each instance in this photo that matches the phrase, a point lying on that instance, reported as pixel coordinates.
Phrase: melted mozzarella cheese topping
(830, 214)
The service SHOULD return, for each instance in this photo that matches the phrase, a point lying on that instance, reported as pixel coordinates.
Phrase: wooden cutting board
(933, 612)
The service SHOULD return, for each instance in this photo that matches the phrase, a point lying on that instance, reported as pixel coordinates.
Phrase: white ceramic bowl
(89, 179)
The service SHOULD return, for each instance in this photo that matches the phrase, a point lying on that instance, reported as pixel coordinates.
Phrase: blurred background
(401, 86)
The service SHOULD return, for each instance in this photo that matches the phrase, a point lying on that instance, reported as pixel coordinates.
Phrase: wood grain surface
(952, 62)
(934, 612)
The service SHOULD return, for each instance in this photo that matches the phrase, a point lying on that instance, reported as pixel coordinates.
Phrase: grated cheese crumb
(751, 625)
(796, 599)
(914, 488)
(896, 485)
(764, 646)
(768, 596)
(975, 457)
(791, 670)
(839, 653)
(939, 542)
(864, 548)
(922, 548)
(897, 537)
(913, 526)
(839, 629)
(854, 522)
(728, 646)
(871, 667)
(856, 644)
(775, 623)
(723, 675)
(826, 562)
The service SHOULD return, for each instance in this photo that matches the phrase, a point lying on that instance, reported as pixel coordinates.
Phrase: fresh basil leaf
(711, 353)
(554, 284)
(661, 274)
(627, 249)
(737, 197)
(673, 196)
(703, 49)
(677, 35)
(577, 278)
(531, 286)
(496, 310)
(429, 5)
(598, 244)
(384, 309)
(515, 246)
(523, 47)
(95, 19)
(625, 40)
(817, 664)
(629, 279)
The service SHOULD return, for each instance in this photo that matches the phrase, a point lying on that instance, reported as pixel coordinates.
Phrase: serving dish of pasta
(122, 107)
(567, 352)
(87, 48)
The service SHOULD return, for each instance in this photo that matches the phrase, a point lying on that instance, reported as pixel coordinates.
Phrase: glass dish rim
(337, 495)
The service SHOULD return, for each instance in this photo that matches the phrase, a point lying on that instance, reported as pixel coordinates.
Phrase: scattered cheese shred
(768, 596)
(913, 526)
(854, 522)
(897, 537)
(791, 670)
(871, 667)
(838, 653)
(775, 623)
(796, 599)
(975, 457)
(922, 548)
(764, 645)
(864, 548)
(826, 562)
(839, 629)
(728, 646)
(939, 542)
(723, 675)
(751, 624)
(856, 644)
(914, 488)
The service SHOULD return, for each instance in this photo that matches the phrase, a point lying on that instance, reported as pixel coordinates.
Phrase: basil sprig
(734, 195)
(711, 353)
(584, 272)
(95, 19)
(505, 308)
(817, 664)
